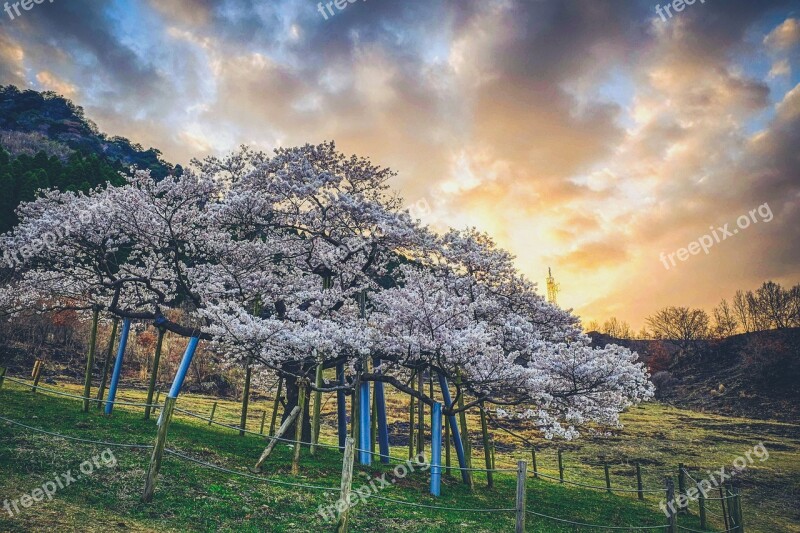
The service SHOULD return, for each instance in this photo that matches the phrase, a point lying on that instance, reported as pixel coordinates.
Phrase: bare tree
(741, 309)
(725, 323)
(681, 326)
(619, 329)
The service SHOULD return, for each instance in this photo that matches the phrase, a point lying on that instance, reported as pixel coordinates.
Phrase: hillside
(47, 141)
(752, 374)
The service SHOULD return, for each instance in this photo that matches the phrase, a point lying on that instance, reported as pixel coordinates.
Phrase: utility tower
(552, 288)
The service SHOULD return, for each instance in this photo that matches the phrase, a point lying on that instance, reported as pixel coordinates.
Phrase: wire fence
(207, 465)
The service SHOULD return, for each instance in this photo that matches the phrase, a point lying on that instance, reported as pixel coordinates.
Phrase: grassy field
(192, 497)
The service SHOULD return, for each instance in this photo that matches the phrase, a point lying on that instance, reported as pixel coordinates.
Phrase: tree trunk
(292, 392)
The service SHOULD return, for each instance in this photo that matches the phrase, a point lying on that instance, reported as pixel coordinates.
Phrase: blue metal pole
(448, 402)
(180, 376)
(383, 426)
(341, 406)
(177, 383)
(365, 457)
(112, 388)
(436, 449)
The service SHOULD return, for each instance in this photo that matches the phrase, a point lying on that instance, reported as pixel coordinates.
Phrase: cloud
(784, 36)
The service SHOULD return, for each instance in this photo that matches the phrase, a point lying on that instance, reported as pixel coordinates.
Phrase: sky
(597, 138)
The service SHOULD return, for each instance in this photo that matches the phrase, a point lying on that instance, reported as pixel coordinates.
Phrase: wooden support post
(35, 369)
(151, 387)
(535, 469)
(281, 431)
(522, 478)
(38, 376)
(465, 439)
(87, 379)
(373, 422)
(447, 445)
(411, 420)
(639, 488)
(487, 452)
(458, 444)
(702, 503)
(683, 506)
(347, 481)
(494, 449)
(315, 424)
(298, 430)
(2, 376)
(263, 421)
(341, 407)
(158, 451)
(106, 364)
(275, 406)
(436, 449)
(672, 516)
(420, 416)
(248, 374)
(158, 398)
(213, 410)
(382, 424)
(608, 476)
(560, 467)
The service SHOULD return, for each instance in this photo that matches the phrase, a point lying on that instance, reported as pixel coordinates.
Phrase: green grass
(190, 497)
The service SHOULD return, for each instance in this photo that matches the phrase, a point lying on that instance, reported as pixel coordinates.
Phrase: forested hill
(47, 141)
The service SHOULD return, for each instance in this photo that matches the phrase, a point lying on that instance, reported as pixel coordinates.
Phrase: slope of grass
(190, 497)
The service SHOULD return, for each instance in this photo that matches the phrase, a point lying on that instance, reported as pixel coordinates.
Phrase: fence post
(158, 398)
(683, 505)
(213, 410)
(608, 475)
(436, 449)
(487, 452)
(248, 374)
(671, 514)
(533, 457)
(151, 387)
(639, 481)
(87, 380)
(158, 450)
(347, 481)
(702, 502)
(493, 454)
(38, 375)
(298, 430)
(738, 499)
(560, 467)
(522, 475)
(2, 376)
(724, 510)
(263, 421)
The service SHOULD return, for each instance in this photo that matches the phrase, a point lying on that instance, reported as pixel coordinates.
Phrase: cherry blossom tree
(305, 258)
